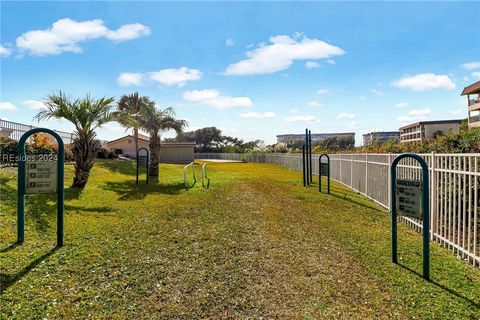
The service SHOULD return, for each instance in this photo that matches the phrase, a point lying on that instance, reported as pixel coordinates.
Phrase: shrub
(38, 146)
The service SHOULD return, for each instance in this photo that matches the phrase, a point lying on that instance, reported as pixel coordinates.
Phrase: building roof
(380, 132)
(430, 122)
(129, 136)
(473, 88)
(141, 138)
(326, 134)
(177, 143)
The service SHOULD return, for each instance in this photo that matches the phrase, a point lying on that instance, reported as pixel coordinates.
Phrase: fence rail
(14, 130)
(454, 189)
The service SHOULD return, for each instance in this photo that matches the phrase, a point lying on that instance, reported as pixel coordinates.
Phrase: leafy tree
(206, 139)
(86, 114)
(155, 121)
(129, 109)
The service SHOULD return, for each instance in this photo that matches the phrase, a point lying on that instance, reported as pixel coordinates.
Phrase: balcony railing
(473, 101)
(474, 119)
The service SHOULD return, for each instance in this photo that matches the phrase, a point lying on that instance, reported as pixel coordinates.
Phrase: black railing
(474, 119)
(473, 101)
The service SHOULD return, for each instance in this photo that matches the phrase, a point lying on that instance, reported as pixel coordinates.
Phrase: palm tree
(129, 109)
(86, 114)
(156, 121)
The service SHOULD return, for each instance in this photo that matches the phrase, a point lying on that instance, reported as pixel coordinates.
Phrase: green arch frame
(21, 184)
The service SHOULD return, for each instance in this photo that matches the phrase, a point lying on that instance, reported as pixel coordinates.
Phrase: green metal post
(310, 155)
(425, 208)
(307, 167)
(148, 156)
(303, 166)
(21, 184)
(320, 172)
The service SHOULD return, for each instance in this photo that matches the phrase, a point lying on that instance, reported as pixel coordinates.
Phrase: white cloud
(456, 111)
(476, 74)
(377, 92)
(5, 51)
(346, 115)
(401, 105)
(178, 77)
(281, 53)
(471, 65)
(352, 126)
(324, 92)
(257, 115)
(363, 98)
(229, 42)
(420, 112)
(34, 104)
(330, 61)
(312, 65)
(7, 106)
(128, 32)
(465, 79)
(415, 115)
(425, 81)
(314, 104)
(126, 79)
(300, 118)
(213, 98)
(65, 35)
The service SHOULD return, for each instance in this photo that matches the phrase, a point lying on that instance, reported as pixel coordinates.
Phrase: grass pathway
(257, 244)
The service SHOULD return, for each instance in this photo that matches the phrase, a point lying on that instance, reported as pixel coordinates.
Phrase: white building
(424, 130)
(379, 136)
(473, 100)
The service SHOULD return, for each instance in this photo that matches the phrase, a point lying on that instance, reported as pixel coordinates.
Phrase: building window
(118, 151)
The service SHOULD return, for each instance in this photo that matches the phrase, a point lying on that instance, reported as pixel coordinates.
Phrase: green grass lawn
(256, 244)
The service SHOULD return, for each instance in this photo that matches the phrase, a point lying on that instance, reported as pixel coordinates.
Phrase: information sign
(41, 177)
(409, 198)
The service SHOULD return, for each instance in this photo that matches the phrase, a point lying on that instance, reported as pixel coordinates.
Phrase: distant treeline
(211, 139)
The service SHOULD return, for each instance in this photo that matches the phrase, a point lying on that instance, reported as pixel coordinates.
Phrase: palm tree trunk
(84, 150)
(154, 156)
(135, 135)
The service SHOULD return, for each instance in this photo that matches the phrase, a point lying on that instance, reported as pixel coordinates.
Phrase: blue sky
(253, 69)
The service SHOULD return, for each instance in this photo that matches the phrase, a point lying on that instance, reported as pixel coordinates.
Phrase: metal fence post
(366, 174)
(351, 171)
(389, 179)
(433, 198)
(340, 178)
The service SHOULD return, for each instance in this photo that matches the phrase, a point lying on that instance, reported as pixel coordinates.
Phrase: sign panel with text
(41, 177)
(409, 198)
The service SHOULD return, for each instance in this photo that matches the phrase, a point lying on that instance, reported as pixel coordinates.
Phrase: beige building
(473, 100)
(424, 130)
(170, 152)
(125, 146)
(177, 152)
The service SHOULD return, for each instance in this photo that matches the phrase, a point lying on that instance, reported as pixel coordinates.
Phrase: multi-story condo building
(473, 100)
(424, 130)
(380, 136)
(316, 137)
